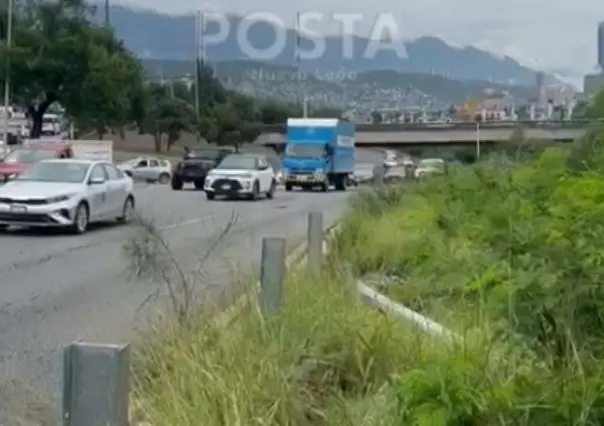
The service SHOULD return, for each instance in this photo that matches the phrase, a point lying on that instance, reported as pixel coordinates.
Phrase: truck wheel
(176, 183)
(288, 187)
(198, 184)
(340, 183)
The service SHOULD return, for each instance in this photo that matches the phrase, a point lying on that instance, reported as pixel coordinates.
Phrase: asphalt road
(56, 288)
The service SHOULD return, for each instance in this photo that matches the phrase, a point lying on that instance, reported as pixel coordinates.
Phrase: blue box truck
(319, 153)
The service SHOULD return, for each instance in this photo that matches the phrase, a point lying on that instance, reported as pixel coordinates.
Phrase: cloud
(545, 34)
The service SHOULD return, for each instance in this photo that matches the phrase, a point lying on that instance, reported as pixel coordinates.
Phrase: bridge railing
(465, 125)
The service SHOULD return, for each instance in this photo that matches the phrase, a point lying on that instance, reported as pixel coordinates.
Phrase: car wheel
(81, 219)
(271, 192)
(288, 187)
(210, 195)
(164, 178)
(127, 211)
(176, 183)
(3, 228)
(255, 191)
(198, 184)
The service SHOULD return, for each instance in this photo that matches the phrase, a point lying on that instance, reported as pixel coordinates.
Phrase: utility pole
(107, 13)
(9, 43)
(477, 140)
(298, 61)
(199, 62)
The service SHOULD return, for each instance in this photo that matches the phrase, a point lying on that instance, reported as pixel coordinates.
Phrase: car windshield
(306, 150)
(55, 172)
(29, 156)
(237, 162)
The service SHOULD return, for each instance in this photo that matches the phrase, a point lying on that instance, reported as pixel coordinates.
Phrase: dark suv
(196, 164)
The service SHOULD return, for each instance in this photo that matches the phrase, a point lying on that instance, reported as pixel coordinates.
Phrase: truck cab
(319, 153)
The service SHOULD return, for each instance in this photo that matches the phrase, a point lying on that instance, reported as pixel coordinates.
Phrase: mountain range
(152, 35)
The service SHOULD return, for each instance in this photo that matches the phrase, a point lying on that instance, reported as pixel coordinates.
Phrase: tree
(228, 126)
(596, 109)
(273, 113)
(165, 115)
(60, 57)
(376, 117)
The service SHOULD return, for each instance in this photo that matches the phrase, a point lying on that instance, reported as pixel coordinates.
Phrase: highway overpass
(419, 134)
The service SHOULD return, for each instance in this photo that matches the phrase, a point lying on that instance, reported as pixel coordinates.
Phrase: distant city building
(601, 45)
(592, 83)
(539, 84)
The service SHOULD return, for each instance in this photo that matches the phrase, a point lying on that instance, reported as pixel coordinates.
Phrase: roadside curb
(377, 300)
(402, 313)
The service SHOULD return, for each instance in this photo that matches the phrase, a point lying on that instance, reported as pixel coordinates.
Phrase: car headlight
(59, 198)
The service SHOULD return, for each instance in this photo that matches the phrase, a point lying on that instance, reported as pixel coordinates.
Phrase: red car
(21, 159)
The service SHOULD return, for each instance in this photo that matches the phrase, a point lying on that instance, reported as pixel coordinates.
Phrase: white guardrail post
(315, 241)
(272, 274)
(96, 385)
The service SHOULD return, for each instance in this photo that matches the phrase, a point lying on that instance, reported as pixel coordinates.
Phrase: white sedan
(67, 193)
(148, 169)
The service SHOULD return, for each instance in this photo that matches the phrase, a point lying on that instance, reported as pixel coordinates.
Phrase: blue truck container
(319, 153)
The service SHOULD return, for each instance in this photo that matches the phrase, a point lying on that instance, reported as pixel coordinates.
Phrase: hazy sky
(552, 34)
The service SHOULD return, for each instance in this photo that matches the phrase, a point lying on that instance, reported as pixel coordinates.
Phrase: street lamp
(9, 42)
(478, 119)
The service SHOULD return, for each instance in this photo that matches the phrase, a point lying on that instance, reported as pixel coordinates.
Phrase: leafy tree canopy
(58, 56)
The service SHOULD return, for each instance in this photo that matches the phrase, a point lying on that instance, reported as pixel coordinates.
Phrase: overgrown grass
(314, 364)
(509, 253)
(327, 360)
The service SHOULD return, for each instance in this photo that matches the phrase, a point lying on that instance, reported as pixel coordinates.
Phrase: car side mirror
(96, 181)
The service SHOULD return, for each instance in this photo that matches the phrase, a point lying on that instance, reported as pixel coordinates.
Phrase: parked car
(148, 169)
(20, 159)
(430, 166)
(67, 193)
(241, 175)
(196, 165)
